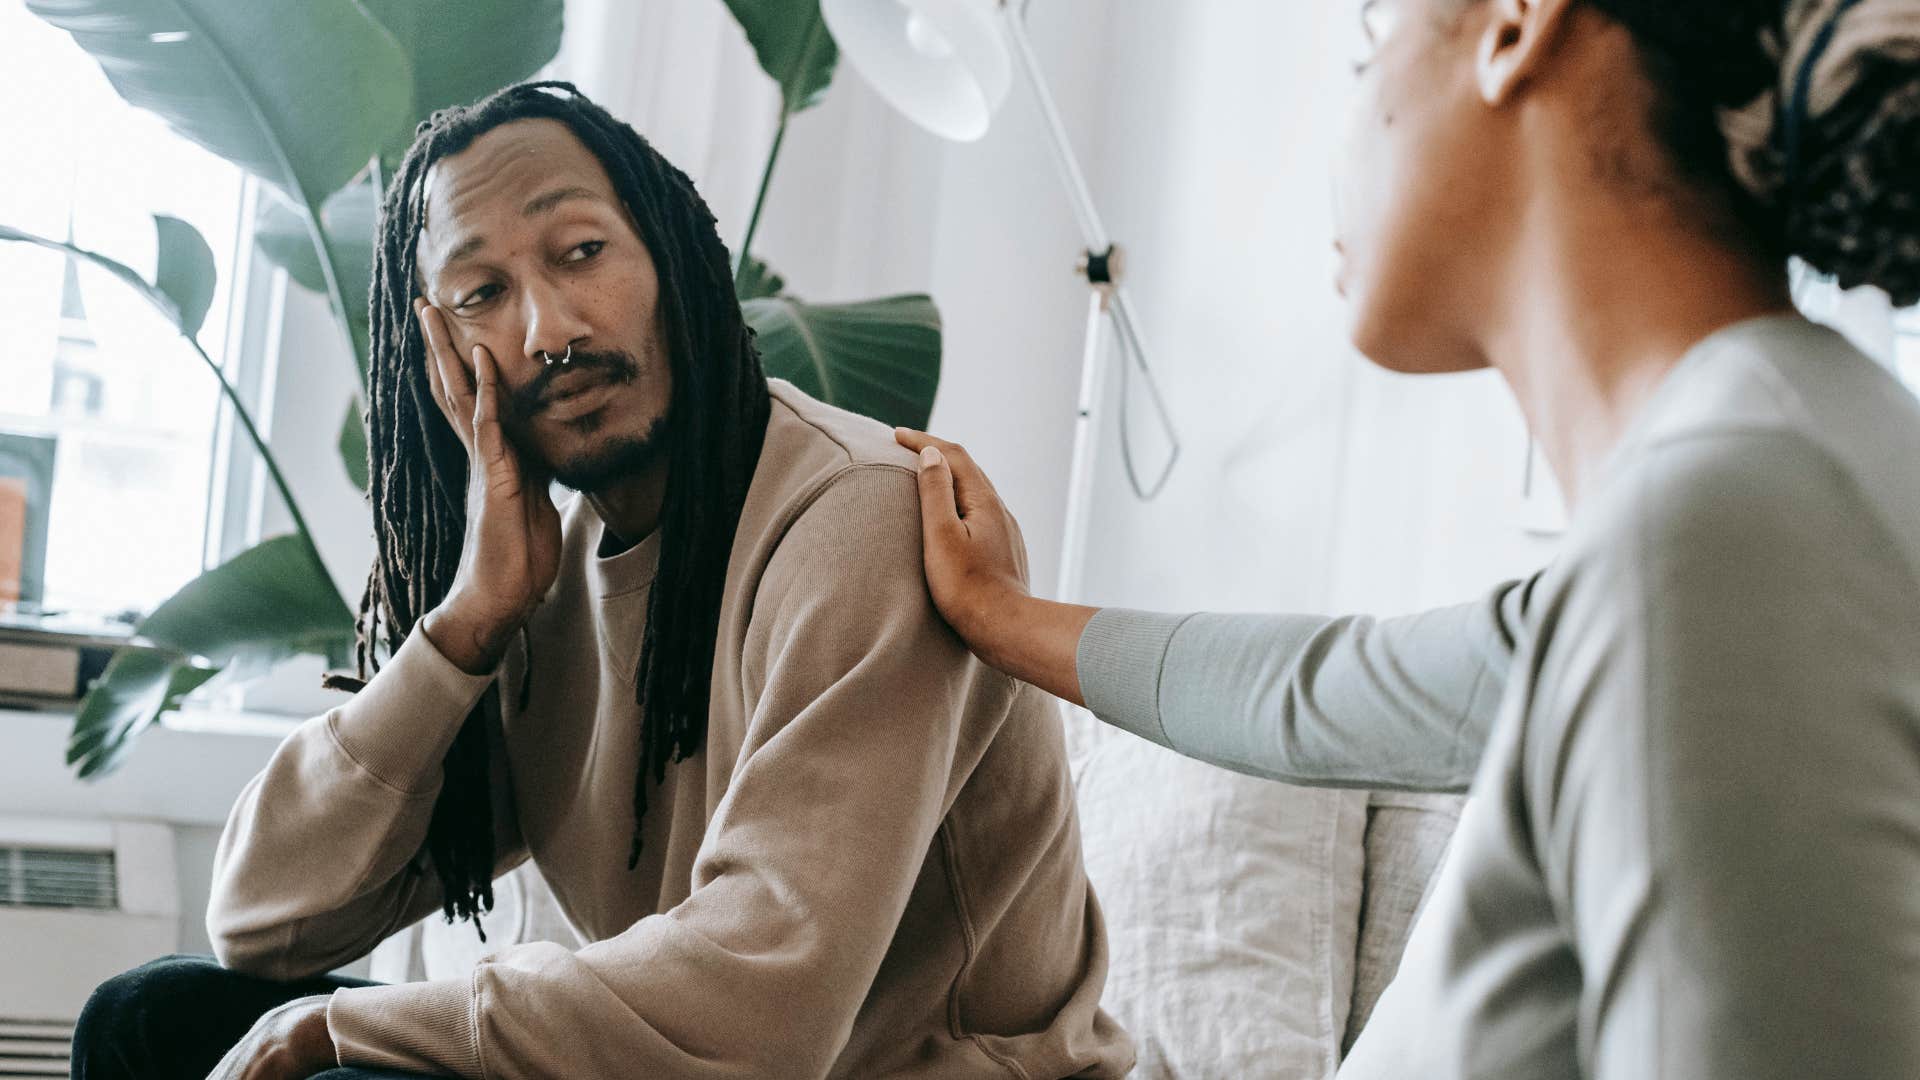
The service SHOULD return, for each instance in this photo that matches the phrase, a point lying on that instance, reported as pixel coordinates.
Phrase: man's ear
(1516, 44)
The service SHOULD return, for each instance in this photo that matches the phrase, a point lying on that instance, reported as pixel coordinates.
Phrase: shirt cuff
(424, 1027)
(401, 724)
(1120, 658)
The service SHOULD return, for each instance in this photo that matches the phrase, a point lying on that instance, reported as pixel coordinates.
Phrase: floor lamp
(947, 65)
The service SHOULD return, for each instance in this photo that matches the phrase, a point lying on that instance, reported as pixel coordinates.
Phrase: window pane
(82, 357)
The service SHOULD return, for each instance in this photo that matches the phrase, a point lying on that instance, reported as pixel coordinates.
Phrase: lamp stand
(1107, 302)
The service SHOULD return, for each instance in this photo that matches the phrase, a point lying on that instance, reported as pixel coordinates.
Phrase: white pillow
(1232, 908)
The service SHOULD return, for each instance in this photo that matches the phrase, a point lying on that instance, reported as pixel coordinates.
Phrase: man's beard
(619, 458)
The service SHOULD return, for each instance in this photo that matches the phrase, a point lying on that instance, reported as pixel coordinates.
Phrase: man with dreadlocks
(806, 833)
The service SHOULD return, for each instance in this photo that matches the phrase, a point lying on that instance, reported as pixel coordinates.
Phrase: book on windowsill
(48, 659)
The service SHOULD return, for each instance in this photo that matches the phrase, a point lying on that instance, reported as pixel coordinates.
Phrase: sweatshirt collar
(626, 572)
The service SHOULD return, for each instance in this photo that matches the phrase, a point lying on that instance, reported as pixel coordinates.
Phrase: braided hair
(1803, 116)
(418, 466)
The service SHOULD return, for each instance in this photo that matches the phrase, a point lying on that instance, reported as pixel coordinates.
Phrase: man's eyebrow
(539, 204)
(467, 247)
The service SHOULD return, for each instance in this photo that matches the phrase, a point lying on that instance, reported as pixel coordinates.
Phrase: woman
(1695, 851)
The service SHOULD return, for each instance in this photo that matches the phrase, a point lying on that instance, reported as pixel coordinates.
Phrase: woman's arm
(1359, 702)
(1721, 780)
(1403, 703)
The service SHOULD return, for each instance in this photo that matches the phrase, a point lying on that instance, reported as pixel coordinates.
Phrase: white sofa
(1253, 924)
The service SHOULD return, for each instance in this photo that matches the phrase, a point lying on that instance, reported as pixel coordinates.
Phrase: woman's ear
(1516, 44)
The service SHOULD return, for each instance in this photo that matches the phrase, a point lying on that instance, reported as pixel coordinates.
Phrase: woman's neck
(1607, 303)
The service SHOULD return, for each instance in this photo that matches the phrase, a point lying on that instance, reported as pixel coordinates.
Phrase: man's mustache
(534, 397)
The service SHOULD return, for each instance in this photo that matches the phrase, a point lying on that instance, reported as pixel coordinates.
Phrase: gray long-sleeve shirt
(1694, 847)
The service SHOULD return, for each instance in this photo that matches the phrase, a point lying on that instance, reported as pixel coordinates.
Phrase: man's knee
(170, 979)
(124, 1006)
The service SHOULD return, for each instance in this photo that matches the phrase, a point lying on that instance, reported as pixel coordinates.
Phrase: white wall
(1310, 480)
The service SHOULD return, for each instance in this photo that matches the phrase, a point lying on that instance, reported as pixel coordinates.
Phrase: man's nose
(553, 326)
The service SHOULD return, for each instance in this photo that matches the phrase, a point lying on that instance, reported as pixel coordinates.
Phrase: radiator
(80, 902)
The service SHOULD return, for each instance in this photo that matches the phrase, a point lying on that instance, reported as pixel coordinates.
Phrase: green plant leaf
(268, 602)
(272, 599)
(353, 446)
(348, 219)
(879, 358)
(118, 269)
(299, 92)
(280, 230)
(184, 272)
(792, 42)
(757, 281)
(460, 52)
(138, 685)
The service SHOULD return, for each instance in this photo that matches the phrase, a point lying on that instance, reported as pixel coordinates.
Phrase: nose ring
(567, 359)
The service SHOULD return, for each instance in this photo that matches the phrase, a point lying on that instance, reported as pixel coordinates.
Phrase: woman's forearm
(1033, 640)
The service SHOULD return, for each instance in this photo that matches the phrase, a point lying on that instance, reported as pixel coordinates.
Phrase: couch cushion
(1406, 835)
(1232, 908)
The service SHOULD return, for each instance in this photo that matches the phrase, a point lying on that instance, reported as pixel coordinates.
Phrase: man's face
(529, 251)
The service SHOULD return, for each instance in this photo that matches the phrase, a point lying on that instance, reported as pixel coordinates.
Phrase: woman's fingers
(915, 441)
(972, 491)
(938, 512)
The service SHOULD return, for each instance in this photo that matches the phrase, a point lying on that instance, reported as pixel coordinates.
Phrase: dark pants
(178, 1016)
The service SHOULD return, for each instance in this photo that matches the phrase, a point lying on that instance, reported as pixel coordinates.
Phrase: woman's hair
(418, 466)
(1804, 115)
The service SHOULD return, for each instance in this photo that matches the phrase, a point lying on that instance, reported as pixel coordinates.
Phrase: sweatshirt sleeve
(866, 715)
(1402, 703)
(315, 866)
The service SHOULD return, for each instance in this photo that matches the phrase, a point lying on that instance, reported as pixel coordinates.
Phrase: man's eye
(484, 292)
(582, 252)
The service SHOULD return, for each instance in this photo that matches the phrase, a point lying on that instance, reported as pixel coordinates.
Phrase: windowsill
(187, 770)
(243, 724)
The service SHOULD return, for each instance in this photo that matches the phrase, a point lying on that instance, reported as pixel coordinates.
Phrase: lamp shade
(943, 63)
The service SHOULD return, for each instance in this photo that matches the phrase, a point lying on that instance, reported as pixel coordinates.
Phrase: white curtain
(681, 72)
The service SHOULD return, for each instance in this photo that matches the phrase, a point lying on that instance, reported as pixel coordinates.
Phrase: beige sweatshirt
(872, 870)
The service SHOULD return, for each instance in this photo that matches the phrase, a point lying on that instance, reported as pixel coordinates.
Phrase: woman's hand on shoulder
(976, 571)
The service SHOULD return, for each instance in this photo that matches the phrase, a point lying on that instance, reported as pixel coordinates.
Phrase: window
(1889, 335)
(135, 417)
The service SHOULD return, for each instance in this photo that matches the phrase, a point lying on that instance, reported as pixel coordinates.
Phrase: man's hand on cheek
(289, 1043)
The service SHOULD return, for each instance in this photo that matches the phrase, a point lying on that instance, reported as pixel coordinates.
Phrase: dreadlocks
(418, 467)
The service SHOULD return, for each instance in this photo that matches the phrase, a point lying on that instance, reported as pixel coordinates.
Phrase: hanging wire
(1132, 350)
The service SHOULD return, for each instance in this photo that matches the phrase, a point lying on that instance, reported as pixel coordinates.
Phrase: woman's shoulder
(1781, 438)
(1696, 504)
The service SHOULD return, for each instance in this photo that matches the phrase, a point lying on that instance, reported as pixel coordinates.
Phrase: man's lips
(577, 396)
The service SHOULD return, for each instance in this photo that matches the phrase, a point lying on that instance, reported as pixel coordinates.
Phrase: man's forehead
(520, 169)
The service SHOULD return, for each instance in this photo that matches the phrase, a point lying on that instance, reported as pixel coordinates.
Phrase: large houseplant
(318, 98)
